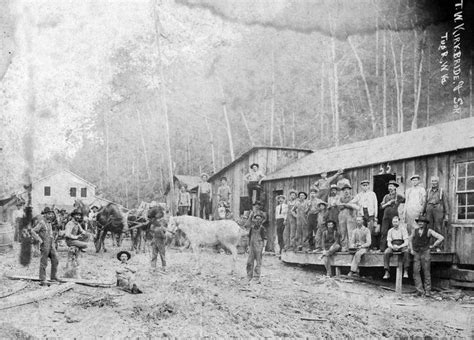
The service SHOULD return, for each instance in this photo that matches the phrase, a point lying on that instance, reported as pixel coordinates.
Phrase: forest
(125, 93)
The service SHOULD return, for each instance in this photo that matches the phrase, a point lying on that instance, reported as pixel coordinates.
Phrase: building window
(465, 191)
(72, 192)
(83, 192)
(47, 191)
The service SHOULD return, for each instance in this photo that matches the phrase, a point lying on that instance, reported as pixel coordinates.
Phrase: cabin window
(465, 191)
(47, 191)
(83, 192)
(72, 192)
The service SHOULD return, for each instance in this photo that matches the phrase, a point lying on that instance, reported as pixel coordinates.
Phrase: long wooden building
(270, 159)
(445, 150)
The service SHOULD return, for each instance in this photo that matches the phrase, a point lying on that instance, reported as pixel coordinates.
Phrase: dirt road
(290, 302)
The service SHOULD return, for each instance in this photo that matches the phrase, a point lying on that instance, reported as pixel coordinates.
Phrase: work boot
(44, 283)
(387, 275)
(428, 293)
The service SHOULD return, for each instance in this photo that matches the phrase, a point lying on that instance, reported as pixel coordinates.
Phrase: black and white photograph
(218, 169)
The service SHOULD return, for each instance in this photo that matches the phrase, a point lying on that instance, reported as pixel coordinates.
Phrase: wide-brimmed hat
(292, 191)
(332, 221)
(281, 196)
(323, 203)
(204, 174)
(302, 192)
(94, 206)
(76, 212)
(346, 186)
(47, 210)
(251, 165)
(414, 176)
(393, 183)
(123, 252)
(365, 181)
(258, 214)
(334, 186)
(422, 219)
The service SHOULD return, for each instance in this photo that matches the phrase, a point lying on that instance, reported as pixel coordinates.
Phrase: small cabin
(270, 159)
(445, 150)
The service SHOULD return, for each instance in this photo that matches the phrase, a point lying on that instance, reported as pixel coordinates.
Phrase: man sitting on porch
(397, 240)
(360, 241)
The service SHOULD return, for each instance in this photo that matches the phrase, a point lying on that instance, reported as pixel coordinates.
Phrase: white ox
(209, 233)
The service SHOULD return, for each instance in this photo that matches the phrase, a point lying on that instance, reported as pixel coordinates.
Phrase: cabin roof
(431, 140)
(69, 172)
(190, 181)
(245, 154)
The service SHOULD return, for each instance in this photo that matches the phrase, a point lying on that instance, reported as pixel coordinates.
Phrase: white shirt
(367, 200)
(281, 211)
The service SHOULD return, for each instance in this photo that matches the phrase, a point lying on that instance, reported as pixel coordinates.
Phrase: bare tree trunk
(414, 123)
(397, 81)
(428, 87)
(402, 82)
(272, 104)
(283, 127)
(145, 153)
(164, 106)
(366, 86)
(470, 90)
(384, 90)
(336, 91)
(293, 128)
(227, 123)
(247, 127)
(107, 150)
(280, 128)
(321, 111)
(211, 141)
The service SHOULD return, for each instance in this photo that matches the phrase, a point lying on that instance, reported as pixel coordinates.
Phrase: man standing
(415, 198)
(313, 206)
(74, 233)
(43, 233)
(420, 249)
(360, 240)
(333, 210)
(330, 244)
(205, 197)
(281, 212)
(300, 212)
(183, 201)
(289, 234)
(257, 243)
(323, 184)
(390, 204)
(368, 206)
(437, 208)
(224, 192)
(397, 240)
(346, 216)
(158, 244)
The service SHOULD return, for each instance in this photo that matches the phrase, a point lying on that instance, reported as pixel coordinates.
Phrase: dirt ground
(183, 303)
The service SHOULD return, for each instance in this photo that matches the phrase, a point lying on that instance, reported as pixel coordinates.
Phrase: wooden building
(445, 150)
(191, 183)
(60, 189)
(270, 159)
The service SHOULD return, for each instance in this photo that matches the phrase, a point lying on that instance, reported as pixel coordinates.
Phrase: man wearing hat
(43, 233)
(205, 197)
(419, 244)
(333, 211)
(126, 273)
(74, 234)
(323, 184)
(415, 198)
(346, 215)
(330, 244)
(436, 207)
(300, 212)
(281, 212)
(289, 233)
(366, 200)
(322, 218)
(390, 204)
(254, 180)
(257, 243)
(257, 208)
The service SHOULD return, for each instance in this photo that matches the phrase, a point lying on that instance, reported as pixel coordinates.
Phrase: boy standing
(257, 243)
(224, 192)
(184, 201)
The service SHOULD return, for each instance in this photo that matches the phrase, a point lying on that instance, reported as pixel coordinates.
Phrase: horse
(203, 232)
(110, 218)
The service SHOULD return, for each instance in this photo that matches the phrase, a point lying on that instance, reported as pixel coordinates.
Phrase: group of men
(333, 220)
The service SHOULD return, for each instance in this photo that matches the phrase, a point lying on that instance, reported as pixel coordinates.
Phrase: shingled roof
(430, 140)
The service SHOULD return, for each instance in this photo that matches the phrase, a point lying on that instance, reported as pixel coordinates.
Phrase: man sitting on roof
(254, 181)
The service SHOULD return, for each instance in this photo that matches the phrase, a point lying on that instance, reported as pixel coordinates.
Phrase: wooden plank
(34, 296)
(399, 275)
(64, 280)
(12, 290)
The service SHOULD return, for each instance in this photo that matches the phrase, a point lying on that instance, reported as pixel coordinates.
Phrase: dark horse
(109, 218)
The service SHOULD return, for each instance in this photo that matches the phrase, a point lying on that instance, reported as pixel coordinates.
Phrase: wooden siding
(460, 236)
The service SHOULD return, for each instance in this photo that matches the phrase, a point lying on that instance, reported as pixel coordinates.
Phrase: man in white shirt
(368, 206)
(415, 198)
(281, 212)
(397, 240)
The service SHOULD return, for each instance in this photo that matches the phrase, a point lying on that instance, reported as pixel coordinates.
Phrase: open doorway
(380, 189)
